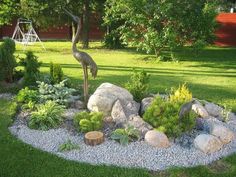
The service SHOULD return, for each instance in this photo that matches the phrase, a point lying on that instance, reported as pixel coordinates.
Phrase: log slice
(94, 138)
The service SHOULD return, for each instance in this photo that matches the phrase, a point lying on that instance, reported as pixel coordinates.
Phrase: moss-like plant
(86, 122)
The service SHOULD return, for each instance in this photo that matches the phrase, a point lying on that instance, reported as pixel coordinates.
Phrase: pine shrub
(56, 73)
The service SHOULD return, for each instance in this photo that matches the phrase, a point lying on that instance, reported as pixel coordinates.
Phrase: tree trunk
(94, 138)
(85, 29)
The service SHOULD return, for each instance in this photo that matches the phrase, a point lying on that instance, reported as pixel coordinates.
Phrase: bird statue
(186, 109)
(82, 57)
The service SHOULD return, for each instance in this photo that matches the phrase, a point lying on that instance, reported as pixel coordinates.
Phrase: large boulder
(146, 102)
(200, 110)
(138, 123)
(207, 143)
(157, 139)
(214, 110)
(105, 96)
(223, 133)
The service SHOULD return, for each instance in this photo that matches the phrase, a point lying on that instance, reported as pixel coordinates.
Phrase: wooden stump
(94, 138)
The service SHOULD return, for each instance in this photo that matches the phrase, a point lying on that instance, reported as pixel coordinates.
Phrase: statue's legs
(85, 69)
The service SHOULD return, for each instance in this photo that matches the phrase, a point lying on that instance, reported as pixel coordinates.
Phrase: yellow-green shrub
(182, 94)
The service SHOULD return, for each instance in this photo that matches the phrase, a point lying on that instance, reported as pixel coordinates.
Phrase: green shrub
(56, 73)
(138, 85)
(31, 69)
(164, 116)
(27, 95)
(58, 92)
(7, 60)
(46, 116)
(124, 136)
(68, 146)
(86, 122)
(113, 41)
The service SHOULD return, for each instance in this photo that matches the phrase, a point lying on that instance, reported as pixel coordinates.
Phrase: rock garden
(126, 127)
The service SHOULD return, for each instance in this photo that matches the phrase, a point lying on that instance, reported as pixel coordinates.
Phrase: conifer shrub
(56, 73)
(164, 114)
(7, 60)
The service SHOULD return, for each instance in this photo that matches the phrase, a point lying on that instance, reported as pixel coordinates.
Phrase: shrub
(58, 92)
(182, 94)
(31, 69)
(124, 136)
(26, 95)
(46, 116)
(164, 116)
(56, 73)
(138, 85)
(113, 41)
(86, 122)
(68, 146)
(7, 60)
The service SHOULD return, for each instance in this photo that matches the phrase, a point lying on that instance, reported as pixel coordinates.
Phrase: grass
(21, 160)
(211, 76)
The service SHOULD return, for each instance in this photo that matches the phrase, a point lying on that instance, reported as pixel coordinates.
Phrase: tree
(8, 9)
(152, 25)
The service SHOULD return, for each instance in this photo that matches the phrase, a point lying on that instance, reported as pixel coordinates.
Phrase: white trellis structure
(25, 34)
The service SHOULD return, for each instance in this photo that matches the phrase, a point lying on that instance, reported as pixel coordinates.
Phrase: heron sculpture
(82, 57)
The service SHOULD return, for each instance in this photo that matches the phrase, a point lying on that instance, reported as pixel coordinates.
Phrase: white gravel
(136, 154)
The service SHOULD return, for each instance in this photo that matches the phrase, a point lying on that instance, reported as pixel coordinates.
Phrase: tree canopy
(152, 25)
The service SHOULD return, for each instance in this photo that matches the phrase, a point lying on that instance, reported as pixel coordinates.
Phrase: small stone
(146, 102)
(223, 133)
(157, 139)
(200, 110)
(207, 143)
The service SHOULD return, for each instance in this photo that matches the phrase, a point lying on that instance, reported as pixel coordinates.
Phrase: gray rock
(105, 96)
(118, 113)
(200, 110)
(145, 104)
(70, 113)
(223, 133)
(213, 109)
(207, 143)
(139, 124)
(157, 139)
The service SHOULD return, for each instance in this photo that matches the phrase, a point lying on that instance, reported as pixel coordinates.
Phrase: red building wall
(226, 34)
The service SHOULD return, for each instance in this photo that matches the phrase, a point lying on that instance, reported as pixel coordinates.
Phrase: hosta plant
(124, 136)
(86, 122)
(46, 116)
(58, 92)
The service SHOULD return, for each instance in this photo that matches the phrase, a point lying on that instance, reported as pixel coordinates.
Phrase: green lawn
(210, 76)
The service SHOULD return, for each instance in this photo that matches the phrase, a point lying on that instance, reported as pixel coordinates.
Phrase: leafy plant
(58, 92)
(56, 73)
(7, 60)
(164, 116)
(46, 116)
(29, 106)
(138, 84)
(86, 122)
(68, 146)
(124, 136)
(27, 95)
(31, 69)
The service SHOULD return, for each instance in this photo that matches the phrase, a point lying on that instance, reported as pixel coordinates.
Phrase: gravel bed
(136, 154)
(6, 96)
